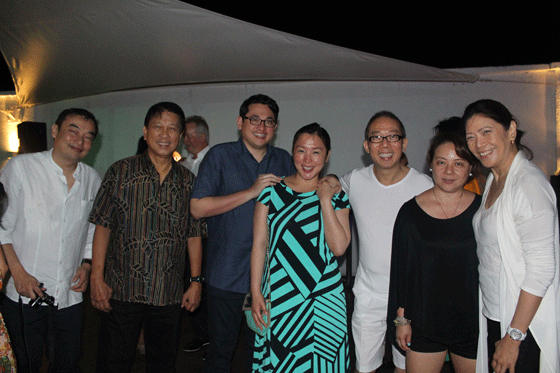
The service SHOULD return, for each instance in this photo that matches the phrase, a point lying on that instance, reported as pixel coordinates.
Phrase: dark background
(443, 34)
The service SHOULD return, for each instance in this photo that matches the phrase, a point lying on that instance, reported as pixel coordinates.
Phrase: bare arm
(191, 298)
(507, 350)
(81, 278)
(258, 257)
(216, 205)
(337, 223)
(100, 291)
(25, 284)
(404, 332)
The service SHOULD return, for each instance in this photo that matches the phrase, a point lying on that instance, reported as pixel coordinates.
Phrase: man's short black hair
(159, 108)
(79, 113)
(259, 99)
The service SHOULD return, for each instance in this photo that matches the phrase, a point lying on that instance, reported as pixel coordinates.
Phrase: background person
(516, 230)
(434, 275)
(196, 140)
(309, 226)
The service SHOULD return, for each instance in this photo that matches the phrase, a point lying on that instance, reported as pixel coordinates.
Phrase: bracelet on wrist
(402, 321)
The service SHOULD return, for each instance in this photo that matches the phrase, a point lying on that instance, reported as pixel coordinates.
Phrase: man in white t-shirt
(196, 139)
(376, 194)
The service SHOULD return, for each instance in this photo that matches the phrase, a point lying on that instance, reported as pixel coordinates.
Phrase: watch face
(516, 334)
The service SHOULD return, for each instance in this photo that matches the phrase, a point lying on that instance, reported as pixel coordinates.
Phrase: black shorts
(466, 348)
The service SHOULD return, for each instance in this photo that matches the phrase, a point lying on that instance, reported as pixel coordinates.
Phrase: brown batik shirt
(150, 223)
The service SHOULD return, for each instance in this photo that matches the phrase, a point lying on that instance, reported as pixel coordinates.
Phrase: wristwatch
(198, 279)
(516, 334)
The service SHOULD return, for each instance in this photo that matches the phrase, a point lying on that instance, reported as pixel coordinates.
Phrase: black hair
(500, 114)
(79, 113)
(446, 132)
(259, 99)
(161, 107)
(314, 129)
(385, 114)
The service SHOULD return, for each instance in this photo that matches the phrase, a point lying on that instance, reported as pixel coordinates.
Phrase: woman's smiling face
(490, 142)
(310, 156)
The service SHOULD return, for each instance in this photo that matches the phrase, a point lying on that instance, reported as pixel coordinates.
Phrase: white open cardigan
(526, 193)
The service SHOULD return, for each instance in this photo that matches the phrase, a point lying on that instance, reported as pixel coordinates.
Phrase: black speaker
(32, 137)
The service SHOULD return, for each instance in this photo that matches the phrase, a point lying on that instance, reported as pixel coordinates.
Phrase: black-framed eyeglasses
(376, 139)
(256, 121)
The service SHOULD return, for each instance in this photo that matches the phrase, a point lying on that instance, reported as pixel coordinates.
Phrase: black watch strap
(88, 261)
(198, 279)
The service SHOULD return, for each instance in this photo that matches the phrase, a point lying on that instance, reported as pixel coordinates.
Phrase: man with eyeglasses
(230, 178)
(376, 194)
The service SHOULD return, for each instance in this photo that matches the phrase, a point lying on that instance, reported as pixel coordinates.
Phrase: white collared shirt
(46, 223)
(192, 164)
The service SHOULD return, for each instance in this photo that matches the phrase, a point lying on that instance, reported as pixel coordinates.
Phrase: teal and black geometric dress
(308, 331)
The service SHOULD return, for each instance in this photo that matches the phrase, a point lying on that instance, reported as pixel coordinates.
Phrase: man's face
(194, 142)
(256, 137)
(385, 155)
(163, 134)
(73, 138)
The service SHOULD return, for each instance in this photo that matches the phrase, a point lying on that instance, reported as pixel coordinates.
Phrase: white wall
(343, 108)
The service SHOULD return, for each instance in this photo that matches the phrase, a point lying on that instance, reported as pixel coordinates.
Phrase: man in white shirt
(47, 240)
(376, 194)
(196, 140)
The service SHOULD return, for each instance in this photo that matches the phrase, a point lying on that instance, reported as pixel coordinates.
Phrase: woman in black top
(433, 296)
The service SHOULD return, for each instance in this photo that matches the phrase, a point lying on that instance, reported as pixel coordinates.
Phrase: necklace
(441, 207)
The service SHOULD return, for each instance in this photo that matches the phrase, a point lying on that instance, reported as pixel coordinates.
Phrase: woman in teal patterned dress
(308, 227)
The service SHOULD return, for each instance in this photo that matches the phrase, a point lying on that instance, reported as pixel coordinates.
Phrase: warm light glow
(177, 156)
(13, 140)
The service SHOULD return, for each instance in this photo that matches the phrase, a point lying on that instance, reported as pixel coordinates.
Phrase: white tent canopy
(61, 49)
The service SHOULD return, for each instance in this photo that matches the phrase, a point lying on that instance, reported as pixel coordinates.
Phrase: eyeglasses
(376, 139)
(256, 121)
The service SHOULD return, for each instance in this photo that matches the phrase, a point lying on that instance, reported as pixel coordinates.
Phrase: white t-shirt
(375, 207)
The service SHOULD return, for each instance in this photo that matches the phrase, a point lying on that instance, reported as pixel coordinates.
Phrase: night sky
(460, 34)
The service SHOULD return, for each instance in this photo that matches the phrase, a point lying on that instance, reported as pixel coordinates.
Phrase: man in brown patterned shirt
(143, 230)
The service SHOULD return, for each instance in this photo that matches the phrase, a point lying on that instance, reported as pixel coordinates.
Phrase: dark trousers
(199, 318)
(225, 322)
(32, 330)
(120, 329)
(528, 360)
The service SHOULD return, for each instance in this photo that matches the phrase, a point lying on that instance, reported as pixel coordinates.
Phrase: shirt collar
(241, 148)
(59, 169)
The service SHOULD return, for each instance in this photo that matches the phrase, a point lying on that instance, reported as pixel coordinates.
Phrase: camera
(48, 299)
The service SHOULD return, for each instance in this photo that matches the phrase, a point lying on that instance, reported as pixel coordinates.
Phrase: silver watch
(516, 334)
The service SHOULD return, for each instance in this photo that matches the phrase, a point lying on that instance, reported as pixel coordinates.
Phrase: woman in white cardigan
(516, 229)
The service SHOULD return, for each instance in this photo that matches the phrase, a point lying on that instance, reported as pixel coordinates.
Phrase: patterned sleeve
(340, 201)
(264, 197)
(104, 208)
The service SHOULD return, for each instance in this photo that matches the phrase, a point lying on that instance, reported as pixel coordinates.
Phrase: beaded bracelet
(401, 321)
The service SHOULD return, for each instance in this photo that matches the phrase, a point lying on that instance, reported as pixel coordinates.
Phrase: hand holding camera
(46, 298)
